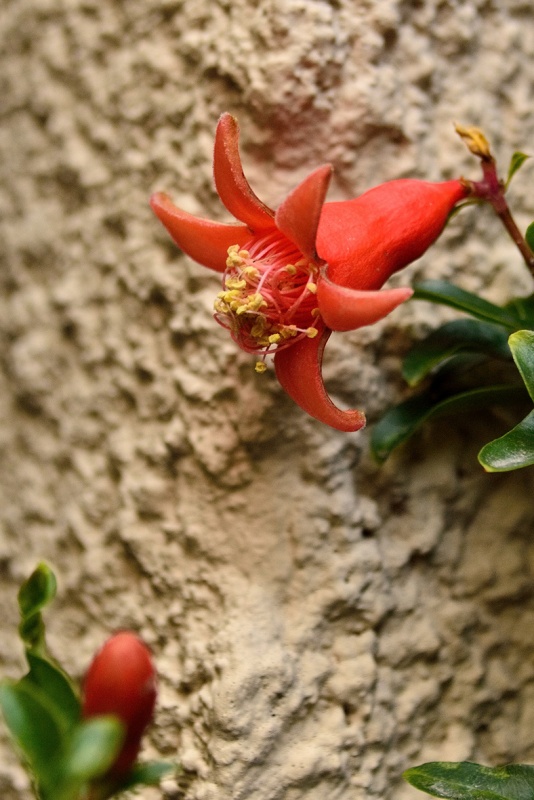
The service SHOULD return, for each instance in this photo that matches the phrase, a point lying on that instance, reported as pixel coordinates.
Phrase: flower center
(268, 300)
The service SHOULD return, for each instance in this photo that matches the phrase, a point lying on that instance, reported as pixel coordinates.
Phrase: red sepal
(345, 309)
(298, 216)
(230, 182)
(203, 240)
(298, 369)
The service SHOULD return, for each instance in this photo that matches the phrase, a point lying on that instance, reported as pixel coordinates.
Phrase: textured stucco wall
(319, 624)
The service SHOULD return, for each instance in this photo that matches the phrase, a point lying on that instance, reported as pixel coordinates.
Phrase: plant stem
(491, 189)
(509, 223)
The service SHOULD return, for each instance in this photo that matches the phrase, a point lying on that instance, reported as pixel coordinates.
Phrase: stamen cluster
(268, 300)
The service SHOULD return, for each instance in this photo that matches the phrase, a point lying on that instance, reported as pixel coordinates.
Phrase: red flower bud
(121, 680)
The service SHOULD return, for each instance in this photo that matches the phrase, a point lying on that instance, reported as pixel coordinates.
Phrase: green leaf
(57, 687)
(514, 450)
(35, 727)
(401, 422)
(449, 295)
(529, 236)
(32, 633)
(522, 347)
(37, 591)
(34, 594)
(398, 424)
(473, 201)
(462, 335)
(523, 308)
(467, 781)
(516, 162)
(93, 748)
(149, 774)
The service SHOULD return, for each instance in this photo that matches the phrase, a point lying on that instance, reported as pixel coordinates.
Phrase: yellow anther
(274, 338)
(235, 283)
(260, 366)
(258, 329)
(311, 287)
(311, 333)
(288, 331)
(252, 303)
(256, 301)
(229, 294)
(315, 312)
(236, 257)
(251, 272)
(291, 269)
(302, 263)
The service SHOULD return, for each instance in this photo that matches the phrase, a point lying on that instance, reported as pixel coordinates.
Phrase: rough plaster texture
(319, 624)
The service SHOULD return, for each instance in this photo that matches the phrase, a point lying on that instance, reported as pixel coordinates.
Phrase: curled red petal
(298, 369)
(203, 240)
(345, 309)
(298, 216)
(232, 186)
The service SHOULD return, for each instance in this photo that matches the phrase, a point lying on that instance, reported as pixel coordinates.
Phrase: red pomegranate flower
(121, 680)
(293, 276)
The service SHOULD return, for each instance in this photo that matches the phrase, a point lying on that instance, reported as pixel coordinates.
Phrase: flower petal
(232, 186)
(203, 240)
(298, 216)
(298, 369)
(345, 309)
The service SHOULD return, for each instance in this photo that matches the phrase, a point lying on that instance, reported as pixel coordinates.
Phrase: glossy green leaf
(529, 236)
(462, 335)
(93, 748)
(401, 422)
(522, 347)
(449, 295)
(467, 781)
(514, 450)
(523, 308)
(35, 727)
(149, 774)
(57, 687)
(37, 591)
(516, 162)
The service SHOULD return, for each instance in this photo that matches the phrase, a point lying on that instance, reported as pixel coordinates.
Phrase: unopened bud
(121, 680)
(475, 141)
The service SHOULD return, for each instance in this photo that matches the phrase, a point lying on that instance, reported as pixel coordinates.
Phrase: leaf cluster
(68, 757)
(486, 360)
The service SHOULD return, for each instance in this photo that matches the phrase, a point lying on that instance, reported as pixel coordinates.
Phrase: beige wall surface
(319, 623)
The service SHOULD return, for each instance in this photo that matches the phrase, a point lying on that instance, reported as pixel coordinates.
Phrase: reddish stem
(492, 190)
